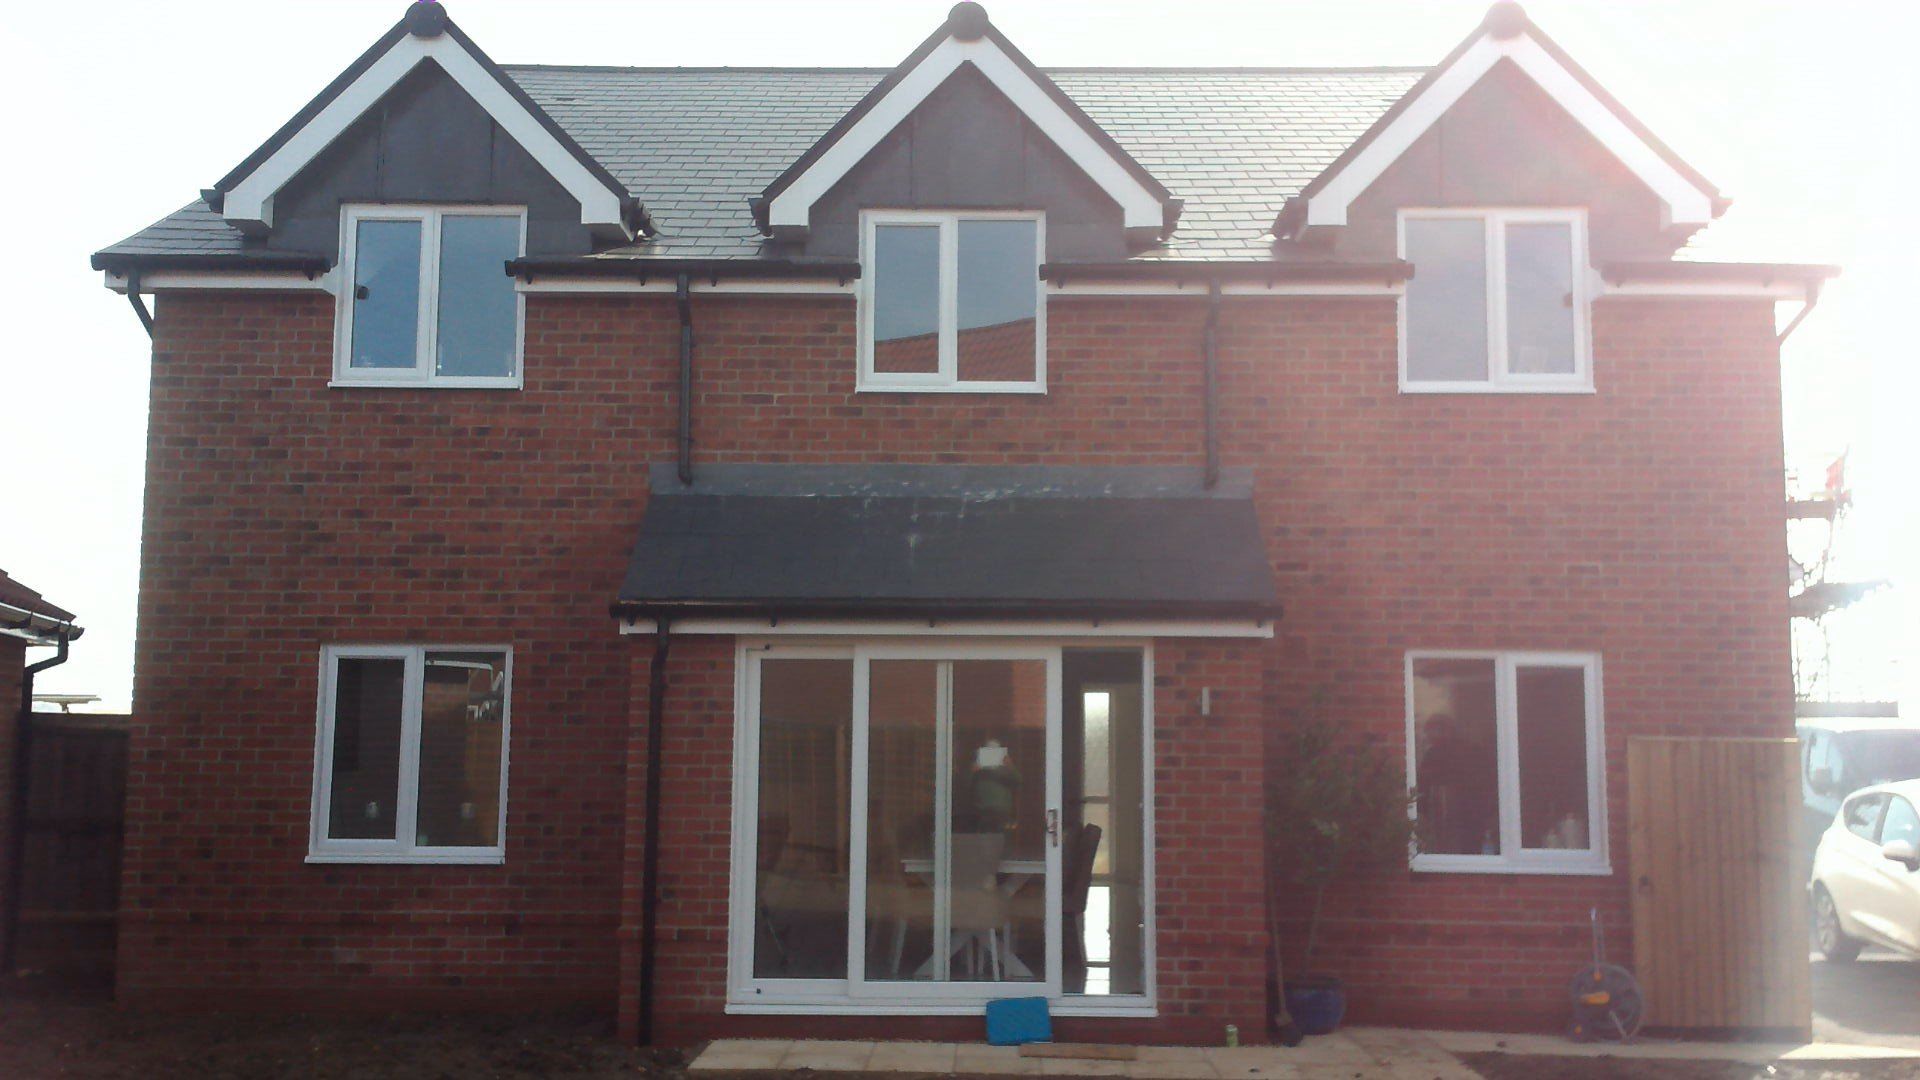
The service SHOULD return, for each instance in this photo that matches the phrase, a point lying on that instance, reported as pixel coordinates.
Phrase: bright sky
(120, 111)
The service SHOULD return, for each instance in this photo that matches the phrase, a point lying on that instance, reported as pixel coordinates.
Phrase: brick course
(1641, 522)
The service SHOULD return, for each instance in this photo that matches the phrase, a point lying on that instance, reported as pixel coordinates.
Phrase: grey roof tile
(694, 144)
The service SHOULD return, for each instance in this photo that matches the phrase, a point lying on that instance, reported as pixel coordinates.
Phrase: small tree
(1334, 810)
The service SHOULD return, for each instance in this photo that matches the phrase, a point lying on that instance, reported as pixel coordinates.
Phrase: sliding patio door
(935, 825)
(957, 852)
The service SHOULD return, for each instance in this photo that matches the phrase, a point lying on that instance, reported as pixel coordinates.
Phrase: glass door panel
(803, 847)
(903, 756)
(1104, 842)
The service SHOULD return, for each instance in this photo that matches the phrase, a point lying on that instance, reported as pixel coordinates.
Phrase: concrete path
(1875, 999)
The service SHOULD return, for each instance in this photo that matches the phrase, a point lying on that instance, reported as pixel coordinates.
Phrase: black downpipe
(685, 303)
(17, 838)
(1211, 348)
(139, 306)
(650, 846)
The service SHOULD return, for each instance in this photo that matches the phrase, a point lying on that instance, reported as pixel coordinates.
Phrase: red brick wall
(1641, 522)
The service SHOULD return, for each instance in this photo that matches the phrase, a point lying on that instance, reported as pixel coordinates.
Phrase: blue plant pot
(1317, 1003)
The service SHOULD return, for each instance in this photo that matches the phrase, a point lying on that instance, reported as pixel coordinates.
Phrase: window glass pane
(999, 841)
(1540, 299)
(906, 298)
(462, 724)
(803, 847)
(1103, 872)
(386, 305)
(1447, 300)
(366, 748)
(902, 699)
(999, 296)
(1863, 815)
(1901, 824)
(1456, 763)
(1552, 729)
(478, 309)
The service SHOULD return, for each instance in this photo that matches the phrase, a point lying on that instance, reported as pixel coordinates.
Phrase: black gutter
(311, 265)
(16, 838)
(646, 268)
(1198, 272)
(1210, 359)
(684, 304)
(650, 846)
(934, 610)
(139, 305)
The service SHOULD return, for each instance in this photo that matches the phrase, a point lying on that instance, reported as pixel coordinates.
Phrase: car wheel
(1834, 944)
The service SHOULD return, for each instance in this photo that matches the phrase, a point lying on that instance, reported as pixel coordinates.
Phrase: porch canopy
(773, 542)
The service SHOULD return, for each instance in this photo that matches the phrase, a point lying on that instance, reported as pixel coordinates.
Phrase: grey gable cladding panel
(929, 555)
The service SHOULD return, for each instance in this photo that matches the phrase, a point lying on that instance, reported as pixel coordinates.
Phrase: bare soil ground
(1533, 1067)
(47, 1039)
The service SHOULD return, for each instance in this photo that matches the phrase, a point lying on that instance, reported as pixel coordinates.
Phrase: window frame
(427, 329)
(324, 849)
(748, 994)
(946, 380)
(1514, 857)
(1500, 379)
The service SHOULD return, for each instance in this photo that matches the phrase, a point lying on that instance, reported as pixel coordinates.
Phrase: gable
(966, 40)
(1507, 143)
(968, 146)
(424, 38)
(426, 140)
(1507, 38)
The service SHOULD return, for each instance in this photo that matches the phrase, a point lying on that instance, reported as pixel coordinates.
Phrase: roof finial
(968, 20)
(1506, 19)
(426, 19)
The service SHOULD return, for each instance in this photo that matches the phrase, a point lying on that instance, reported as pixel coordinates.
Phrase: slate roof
(954, 541)
(693, 144)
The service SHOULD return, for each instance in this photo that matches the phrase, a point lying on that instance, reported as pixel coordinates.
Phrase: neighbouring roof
(25, 613)
(693, 145)
(939, 541)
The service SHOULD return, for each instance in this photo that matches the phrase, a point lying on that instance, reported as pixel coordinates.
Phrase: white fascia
(1682, 201)
(251, 200)
(1139, 206)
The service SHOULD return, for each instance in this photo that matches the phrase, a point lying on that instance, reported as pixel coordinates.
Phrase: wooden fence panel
(70, 863)
(1719, 915)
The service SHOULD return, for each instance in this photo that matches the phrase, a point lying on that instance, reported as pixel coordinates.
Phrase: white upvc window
(410, 760)
(425, 299)
(1506, 762)
(952, 302)
(1498, 302)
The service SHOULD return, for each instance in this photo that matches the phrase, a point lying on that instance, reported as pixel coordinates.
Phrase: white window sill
(949, 388)
(410, 858)
(1495, 864)
(430, 384)
(1492, 388)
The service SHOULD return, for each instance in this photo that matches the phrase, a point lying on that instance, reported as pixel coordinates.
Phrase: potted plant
(1335, 809)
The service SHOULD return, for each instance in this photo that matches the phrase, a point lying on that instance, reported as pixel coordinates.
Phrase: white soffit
(1682, 201)
(251, 200)
(1140, 207)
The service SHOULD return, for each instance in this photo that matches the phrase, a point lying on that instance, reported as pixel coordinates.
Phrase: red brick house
(794, 550)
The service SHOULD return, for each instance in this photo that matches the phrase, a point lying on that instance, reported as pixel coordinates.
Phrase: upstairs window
(952, 302)
(1497, 303)
(427, 300)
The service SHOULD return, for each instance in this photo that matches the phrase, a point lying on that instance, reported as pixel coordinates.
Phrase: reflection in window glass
(998, 299)
(1863, 815)
(1901, 823)
(902, 735)
(1457, 772)
(367, 707)
(462, 717)
(906, 299)
(1447, 300)
(386, 304)
(1103, 839)
(478, 309)
(1552, 730)
(1540, 333)
(803, 847)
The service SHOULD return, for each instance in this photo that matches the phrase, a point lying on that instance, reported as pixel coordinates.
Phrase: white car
(1866, 873)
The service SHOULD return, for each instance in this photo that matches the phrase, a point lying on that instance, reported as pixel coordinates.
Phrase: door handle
(1053, 826)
